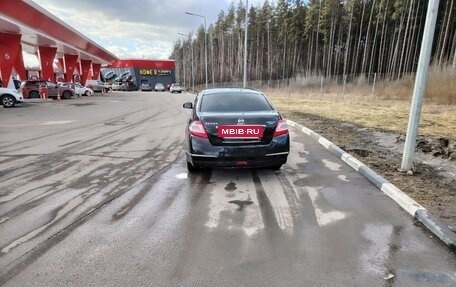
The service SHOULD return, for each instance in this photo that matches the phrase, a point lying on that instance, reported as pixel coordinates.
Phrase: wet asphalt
(94, 192)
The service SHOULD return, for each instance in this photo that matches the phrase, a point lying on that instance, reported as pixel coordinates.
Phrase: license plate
(240, 131)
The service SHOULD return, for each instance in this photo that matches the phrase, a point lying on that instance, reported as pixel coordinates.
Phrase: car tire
(34, 94)
(87, 93)
(8, 101)
(192, 168)
(276, 167)
(66, 95)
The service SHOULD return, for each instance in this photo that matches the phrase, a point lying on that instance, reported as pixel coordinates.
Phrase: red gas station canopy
(38, 27)
(141, 63)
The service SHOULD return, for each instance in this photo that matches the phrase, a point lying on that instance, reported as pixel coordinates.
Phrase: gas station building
(64, 53)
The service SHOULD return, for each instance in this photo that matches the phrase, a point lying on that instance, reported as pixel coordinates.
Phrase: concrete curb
(434, 225)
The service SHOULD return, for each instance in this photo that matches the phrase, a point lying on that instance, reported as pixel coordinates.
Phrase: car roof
(230, 91)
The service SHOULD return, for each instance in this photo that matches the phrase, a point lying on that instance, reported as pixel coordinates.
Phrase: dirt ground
(433, 183)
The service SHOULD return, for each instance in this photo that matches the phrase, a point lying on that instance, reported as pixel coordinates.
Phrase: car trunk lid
(263, 122)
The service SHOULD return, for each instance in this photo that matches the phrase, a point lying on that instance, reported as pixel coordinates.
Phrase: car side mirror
(188, 105)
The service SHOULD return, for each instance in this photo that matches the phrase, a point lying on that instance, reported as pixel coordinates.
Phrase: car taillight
(281, 129)
(197, 129)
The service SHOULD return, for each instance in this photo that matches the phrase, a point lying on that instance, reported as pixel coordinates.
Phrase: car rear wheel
(66, 95)
(87, 93)
(8, 101)
(276, 167)
(192, 168)
(34, 94)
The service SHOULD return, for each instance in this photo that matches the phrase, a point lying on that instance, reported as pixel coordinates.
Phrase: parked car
(66, 84)
(95, 85)
(159, 87)
(107, 86)
(116, 86)
(109, 75)
(146, 87)
(129, 86)
(10, 97)
(233, 127)
(83, 91)
(17, 84)
(175, 88)
(31, 89)
(125, 76)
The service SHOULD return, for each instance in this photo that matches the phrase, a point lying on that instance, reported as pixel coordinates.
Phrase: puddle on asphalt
(360, 152)
(241, 203)
(231, 186)
(300, 182)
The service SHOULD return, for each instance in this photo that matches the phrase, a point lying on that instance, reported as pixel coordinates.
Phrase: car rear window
(234, 102)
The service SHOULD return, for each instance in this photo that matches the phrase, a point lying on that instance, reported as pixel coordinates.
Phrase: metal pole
(245, 42)
(420, 85)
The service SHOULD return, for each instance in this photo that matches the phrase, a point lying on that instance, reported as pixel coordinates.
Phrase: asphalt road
(94, 192)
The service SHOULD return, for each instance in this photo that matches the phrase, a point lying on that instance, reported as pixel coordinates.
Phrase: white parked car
(81, 90)
(159, 87)
(175, 88)
(116, 86)
(95, 85)
(10, 97)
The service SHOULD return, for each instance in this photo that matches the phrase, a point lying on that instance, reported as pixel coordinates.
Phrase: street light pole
(205, 39)
(245, 43)
(420, 85)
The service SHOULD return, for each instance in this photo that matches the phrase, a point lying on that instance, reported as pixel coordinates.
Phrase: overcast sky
(136, 28)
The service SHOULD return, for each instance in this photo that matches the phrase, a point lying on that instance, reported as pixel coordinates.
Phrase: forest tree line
(318, 38)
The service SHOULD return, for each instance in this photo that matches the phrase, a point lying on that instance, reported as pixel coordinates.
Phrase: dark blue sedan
(235, 128)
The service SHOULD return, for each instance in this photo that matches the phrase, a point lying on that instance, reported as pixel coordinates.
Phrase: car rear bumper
(202, 153)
